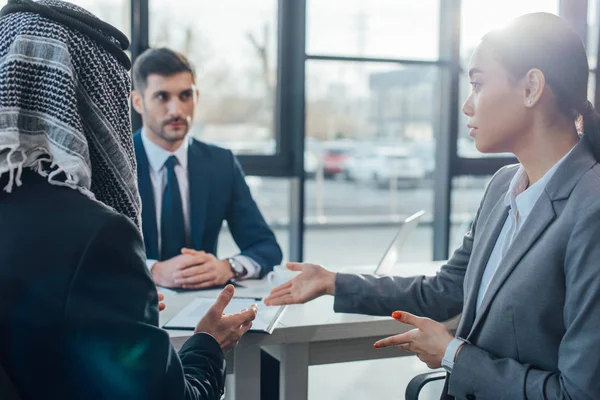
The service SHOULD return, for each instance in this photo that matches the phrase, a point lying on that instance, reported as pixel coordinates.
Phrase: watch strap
(450, 354)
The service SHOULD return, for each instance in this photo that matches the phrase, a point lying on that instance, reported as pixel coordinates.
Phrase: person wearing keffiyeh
(79, 316)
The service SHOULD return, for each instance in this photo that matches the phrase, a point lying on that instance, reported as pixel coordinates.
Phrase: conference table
(306, 334)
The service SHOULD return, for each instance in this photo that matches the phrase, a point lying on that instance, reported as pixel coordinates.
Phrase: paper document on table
(187, 319)
(163, 289)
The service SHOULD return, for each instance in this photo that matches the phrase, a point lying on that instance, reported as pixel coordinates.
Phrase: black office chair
(417, 383)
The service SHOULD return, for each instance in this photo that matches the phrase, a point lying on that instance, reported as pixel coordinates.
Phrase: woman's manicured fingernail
(397, 315)
(376, 345)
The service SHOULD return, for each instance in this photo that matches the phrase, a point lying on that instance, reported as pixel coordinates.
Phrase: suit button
(471, 396)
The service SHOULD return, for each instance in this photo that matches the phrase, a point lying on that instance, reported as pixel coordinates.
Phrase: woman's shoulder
(587, 190)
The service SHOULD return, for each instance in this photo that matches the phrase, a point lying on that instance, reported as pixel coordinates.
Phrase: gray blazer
(537, 333)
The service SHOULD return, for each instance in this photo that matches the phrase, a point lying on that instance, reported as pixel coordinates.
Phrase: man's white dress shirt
(157, 156)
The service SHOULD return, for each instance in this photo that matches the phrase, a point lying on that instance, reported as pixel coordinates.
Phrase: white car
(383, 165)
(311, 163)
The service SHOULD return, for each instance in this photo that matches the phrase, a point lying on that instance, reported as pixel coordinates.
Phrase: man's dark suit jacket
(218, 192)
(79, 315)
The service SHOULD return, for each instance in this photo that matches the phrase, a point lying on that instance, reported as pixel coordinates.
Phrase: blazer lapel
(479, 261)
(541, 216)
(149, 225)
(199, 178)
(559, 188)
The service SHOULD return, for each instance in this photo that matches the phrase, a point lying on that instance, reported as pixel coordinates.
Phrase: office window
(370, 144)
(379, 379)
(478, 18)
(272, 195)
(593, 29)
(383, 28)
(235, 56)
(592, 87)
(467, 193)
(466, 144)
(592, 45)
(115, 12)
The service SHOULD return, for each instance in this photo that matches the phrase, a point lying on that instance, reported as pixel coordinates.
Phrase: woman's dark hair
(547, 42)
(163, 61)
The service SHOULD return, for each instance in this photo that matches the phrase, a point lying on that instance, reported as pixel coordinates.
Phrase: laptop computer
(391, 256)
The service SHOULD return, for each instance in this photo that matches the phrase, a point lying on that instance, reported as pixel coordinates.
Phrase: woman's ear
(534, 84)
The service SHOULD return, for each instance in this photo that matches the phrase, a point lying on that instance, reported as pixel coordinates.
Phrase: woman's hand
(429, 341)
(314, 281)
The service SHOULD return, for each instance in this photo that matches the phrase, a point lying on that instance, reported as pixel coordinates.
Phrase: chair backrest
(7, 388)
(422, 381)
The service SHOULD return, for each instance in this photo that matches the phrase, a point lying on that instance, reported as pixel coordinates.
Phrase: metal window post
(446, 141)
(290, 117)
(139, 42)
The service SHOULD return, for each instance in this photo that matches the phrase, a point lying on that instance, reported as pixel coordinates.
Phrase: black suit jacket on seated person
(218, 192)
(79, 315)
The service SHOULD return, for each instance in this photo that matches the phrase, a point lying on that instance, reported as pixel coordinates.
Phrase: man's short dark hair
(163, 61)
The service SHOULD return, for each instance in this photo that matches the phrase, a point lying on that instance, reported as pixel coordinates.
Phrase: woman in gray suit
(527, 276)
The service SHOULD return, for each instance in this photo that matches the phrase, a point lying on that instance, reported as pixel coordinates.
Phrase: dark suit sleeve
(111, 318)
(578, 363)
(248, 227)
(438, 297)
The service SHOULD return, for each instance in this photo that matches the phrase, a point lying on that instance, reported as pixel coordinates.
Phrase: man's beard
(173, 136)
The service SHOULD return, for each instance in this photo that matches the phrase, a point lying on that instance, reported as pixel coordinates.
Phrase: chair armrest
(418, 382)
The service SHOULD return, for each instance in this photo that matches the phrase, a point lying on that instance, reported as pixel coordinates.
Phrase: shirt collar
(157, 155)
(523, 198)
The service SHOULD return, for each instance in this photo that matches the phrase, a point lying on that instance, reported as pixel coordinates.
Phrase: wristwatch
(450, 354)
(238, 269)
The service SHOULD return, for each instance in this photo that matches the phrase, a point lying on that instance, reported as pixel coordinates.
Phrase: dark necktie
(172, 228)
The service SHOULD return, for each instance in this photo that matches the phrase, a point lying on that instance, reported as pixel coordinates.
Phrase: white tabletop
(315, 319)
(306, 334)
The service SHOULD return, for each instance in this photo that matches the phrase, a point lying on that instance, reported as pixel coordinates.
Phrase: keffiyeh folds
(64, 110)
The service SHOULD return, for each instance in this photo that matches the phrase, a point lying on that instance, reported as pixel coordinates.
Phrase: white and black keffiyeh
(64, 110)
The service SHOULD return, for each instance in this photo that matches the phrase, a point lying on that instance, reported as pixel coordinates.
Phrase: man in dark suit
(79, 315)
(188, 188)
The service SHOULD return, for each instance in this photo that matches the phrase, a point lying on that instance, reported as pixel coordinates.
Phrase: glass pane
(380, 28)
(466, 144)
(235, 56)
(593, 31)
(372, 379)
(273, 197)
(467, 192)
(479, 17)
(115, 12)
(592, 87)
(370, 153)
